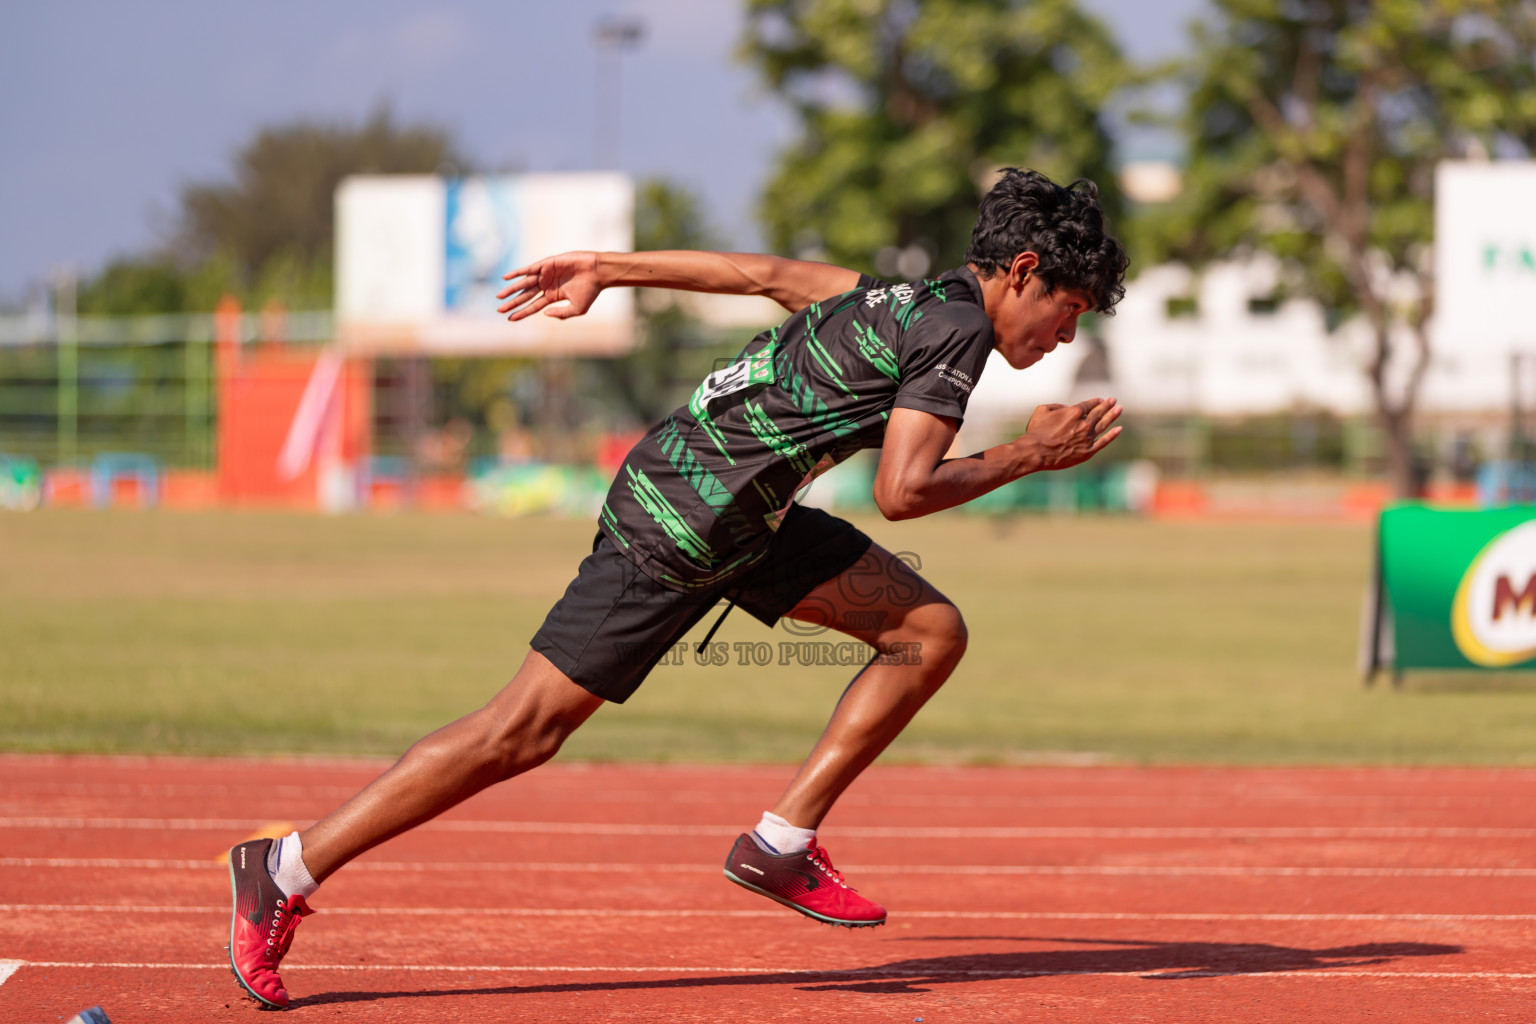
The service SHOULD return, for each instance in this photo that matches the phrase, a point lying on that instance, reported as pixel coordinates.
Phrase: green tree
(134, 285)
(667, 216)
(1313, 129)
(267, 233)
(908, 107)
(280, 203)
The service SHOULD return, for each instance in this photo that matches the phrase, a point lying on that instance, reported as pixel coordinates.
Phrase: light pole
(611, 36)
(67, 338)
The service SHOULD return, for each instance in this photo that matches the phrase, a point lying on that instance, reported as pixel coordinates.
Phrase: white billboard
(419, 260)
(1485, 255)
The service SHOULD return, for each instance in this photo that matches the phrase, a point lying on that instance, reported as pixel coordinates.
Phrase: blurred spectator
(445, 450)
(515, 446)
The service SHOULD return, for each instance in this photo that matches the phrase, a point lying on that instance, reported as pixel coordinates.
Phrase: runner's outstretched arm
(575, 278)
(915, 479)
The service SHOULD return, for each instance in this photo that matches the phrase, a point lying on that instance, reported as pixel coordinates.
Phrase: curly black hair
(1028, 212)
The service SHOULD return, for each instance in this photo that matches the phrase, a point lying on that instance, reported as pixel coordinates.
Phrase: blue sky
(109, 108)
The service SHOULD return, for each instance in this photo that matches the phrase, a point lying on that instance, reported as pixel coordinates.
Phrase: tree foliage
(280, 202)
(667, 216)
(265, 234)
(135, 286)
(1313, 130)
(907, 107)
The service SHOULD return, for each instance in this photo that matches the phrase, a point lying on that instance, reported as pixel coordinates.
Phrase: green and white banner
(1459, 589)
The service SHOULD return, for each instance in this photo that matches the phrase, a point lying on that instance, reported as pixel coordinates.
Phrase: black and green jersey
(699, 497)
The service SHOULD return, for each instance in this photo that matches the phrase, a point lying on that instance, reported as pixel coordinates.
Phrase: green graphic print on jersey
(661, 511)
(698, 499)
(874, 350)
(778, 442)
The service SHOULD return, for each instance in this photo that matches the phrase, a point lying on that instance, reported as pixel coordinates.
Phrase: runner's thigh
(877, 599)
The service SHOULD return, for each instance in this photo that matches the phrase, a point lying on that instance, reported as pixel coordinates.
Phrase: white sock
(782, 837)
(285, 863)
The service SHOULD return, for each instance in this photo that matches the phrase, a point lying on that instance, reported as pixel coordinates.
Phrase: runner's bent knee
(936, 628)
(523, 742)
(528, 721)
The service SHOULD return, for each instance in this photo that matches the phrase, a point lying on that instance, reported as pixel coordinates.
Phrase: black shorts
(615, 623)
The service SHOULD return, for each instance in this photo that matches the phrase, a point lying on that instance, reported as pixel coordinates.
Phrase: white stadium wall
(1232, 359)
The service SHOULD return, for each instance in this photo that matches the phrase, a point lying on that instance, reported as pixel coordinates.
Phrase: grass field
(1091, 639)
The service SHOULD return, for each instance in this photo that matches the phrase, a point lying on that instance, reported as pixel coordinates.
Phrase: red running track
(594, 893)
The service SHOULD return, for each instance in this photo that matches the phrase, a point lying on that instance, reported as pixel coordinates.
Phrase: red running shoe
(804, 881)
(261, 926)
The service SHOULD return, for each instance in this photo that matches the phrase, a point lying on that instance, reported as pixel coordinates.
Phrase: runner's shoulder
(966, 316)
(962, 319)
(953, 300)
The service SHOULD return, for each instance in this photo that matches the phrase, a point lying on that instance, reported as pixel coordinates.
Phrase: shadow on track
(1150, 960)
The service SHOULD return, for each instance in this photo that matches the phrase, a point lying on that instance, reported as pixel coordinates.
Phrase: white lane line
(8, 968)
(1185, 871)
(212, 789)
(1321, 972)
(862, 832)
(608, 912)
(1111, 916)
(129, 863)
(157, 824)
(982, 870)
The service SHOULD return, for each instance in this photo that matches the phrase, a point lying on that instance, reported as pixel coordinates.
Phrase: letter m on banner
(1507, 599)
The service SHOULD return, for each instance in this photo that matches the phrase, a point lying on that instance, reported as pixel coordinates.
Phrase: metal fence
(75, 388)
(72, 389)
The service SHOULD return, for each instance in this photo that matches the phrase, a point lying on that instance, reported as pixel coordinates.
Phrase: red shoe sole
(834, 921)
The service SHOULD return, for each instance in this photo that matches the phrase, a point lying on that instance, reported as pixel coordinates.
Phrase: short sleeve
(941, 359)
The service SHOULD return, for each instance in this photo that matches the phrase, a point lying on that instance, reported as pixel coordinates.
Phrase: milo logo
(1493, 618)
(1514, 256)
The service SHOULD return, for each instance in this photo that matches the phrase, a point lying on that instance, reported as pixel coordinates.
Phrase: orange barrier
(1179, 499)
(259, 393)
(66, 488)
(442, 493)
(1279, 499)
(190, 489)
